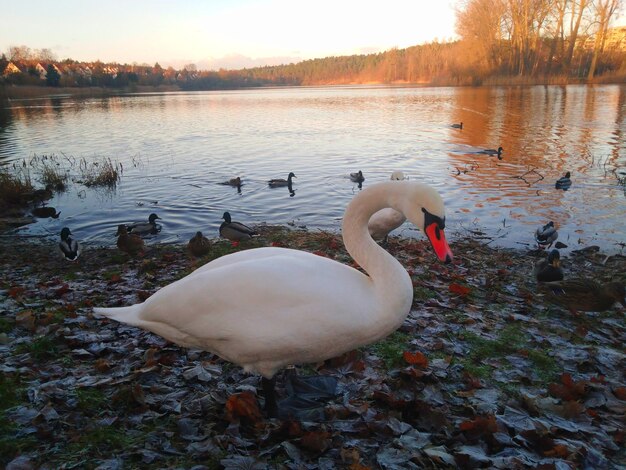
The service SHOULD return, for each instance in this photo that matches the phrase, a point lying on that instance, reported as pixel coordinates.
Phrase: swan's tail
(128, 315)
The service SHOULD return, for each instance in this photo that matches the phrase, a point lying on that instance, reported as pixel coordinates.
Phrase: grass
(11, 394)
(40, 348)
(14, 185)
(100, 173)
(391, 348)
(511, 340)
(6, 325)
(91, 400)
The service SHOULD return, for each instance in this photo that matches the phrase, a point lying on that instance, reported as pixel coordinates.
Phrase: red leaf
(317, 441)
(16, 292)
(235, 244)
(64, 289)
(243, 405)
(459, 289)
(620, 392)
(416, 358)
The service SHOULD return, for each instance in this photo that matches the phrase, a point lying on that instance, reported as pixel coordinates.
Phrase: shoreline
(481, 364)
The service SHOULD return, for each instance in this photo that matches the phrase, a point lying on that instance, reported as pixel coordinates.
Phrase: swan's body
(564, 182)
(145, 228)
(546, 235)
(266, 308)
(549, 269)
(387, 219)
(357, 177)
(70, 248)
(235, 231)
(199, 245)
(280, 182)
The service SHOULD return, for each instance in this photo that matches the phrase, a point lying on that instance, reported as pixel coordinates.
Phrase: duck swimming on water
(564, 182)
(495, 152)
(267, 308)
(145, 228)
(280, 182)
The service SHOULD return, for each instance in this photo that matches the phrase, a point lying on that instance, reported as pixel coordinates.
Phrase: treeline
(519, 41)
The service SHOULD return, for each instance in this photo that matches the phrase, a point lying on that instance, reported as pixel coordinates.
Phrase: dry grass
(100, 173)
(50, 170)
(13, 185)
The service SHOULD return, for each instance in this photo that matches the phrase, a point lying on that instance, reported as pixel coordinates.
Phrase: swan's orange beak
(438, 241)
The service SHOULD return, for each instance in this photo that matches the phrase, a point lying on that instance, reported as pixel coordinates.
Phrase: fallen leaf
(416, 358)
(243, 405)
(459, 289)
(316, 441)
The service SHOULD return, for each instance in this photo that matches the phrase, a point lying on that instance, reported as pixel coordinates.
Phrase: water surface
(175, 148)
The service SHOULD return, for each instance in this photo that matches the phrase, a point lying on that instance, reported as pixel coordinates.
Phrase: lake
(176, 148)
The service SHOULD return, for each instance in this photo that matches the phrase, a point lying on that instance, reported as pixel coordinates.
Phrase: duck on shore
(546, 235)
(69, 246)
(130, 243)
(584, 294)
(199, 245)
(235, 231)
(549, 269)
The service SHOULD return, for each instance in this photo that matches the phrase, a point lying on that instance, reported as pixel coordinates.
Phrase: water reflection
(177, 149)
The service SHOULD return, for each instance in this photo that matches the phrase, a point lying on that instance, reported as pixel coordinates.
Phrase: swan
(270, 307)
(357, 177)
(199, 245)
(235, 231)
(564, 182)
(546, 235)
(70, 248)
(279, 182)
(145, 228)
(387, 219)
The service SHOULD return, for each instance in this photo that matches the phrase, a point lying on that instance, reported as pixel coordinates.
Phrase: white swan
(387, 219)
(266, 308)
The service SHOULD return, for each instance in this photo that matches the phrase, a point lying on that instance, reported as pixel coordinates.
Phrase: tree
(53, 77)
(604, 11)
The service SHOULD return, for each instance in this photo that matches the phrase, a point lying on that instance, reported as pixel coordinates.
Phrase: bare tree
(605, 10)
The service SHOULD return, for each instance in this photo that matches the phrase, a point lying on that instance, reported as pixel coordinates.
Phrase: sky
(221, 33)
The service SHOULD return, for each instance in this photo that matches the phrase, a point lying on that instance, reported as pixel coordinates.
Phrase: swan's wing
(384, 221)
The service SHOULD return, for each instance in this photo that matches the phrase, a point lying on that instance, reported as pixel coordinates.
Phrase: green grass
(91, 400)
(391, 348)
(6, 325)
(40, 348)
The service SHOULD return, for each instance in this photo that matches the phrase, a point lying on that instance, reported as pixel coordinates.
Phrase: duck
(357, 177)
(549, 269)
(130, 243)
(269, 307)
(583, 294)
(498, 152)
(280, 182)
(45, 211)
(233, 182)
(546, 235)
(199, 245)
(70, 248)
(145, 228)
(235, 231)
(387, 219)
(564, 182)
(457, 126)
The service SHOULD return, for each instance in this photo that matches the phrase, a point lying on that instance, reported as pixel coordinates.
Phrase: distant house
(615, 40)
(42, 70)
(11, 68)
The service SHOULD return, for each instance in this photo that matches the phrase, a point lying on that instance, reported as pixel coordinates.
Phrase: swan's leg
(271, 406)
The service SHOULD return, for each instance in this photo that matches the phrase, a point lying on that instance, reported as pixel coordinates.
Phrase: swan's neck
(389, 277)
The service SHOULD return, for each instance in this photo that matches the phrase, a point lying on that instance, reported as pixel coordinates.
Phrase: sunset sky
(221, 33)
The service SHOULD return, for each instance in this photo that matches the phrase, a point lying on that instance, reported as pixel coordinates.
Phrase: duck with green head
(69, 246)
(145, 228)
(235, 231)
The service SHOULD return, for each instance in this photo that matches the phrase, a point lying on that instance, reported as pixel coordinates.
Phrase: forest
(499, 41)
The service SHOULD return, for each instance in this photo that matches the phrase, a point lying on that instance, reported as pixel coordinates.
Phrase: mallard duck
(546, 235)
(564, 182)
(199, 245)
(279, 182)
(549, 269)
(236, 182)
(44, 212)
(145, 228)
(585, 295)
(498, 152)
(357, 177)
(235, 231)
(457, 126)
(70, 248)
(387, 219)
(266, 308)
(130, 243)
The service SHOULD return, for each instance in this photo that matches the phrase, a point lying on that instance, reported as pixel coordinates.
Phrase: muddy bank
(483, 372)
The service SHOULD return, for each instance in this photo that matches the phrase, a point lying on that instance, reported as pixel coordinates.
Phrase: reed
(100, 173)
(50, 170)
(14, 185)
